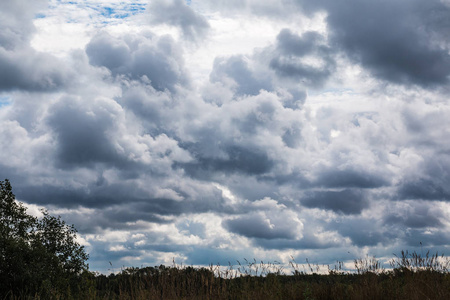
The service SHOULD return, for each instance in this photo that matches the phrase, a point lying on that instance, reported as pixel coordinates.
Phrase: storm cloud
(398, 41)
(346, 201)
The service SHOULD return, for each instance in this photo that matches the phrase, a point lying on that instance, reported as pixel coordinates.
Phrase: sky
(207, 132)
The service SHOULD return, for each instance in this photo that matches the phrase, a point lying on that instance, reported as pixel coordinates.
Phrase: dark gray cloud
(397, 41)
(237, 160)
(125, 200)
(112, 53)
(350, 179)
(27, 69)
(308, 241)
(90, 196)
(429, 182)
(111, 217)
(205, 168)
(84, 134)
(419, 216)
(424, 189)
(144, 57)
(260, 226)
(305, 58)
(23, 68)
(348, 201)
(177, 13)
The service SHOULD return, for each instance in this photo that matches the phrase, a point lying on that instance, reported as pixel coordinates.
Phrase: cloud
(415, 215)
(23, 68)
(425, 189)
(177, 13)
(427, 240)
(363, 231)
(243, 80)
(306, 58)
(16, 22)
(427, 181)
(308, 241)
(348, 201)
(350, 179)
(237, 159)
(401, 42)
(85, 134)
(284, 224)
(144, 57)
(395, 40)
(33, 71)
(272, 8)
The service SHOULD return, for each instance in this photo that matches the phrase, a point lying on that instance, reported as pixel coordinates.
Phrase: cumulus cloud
(28, 70)
(284, 224)
(402, 42)
(429, 182)
(145, 57)
(306, 58)
(416, 215)
(23, 68)
(347, 201)
(16, 22)
(84, 134)
(396, 40)
(236, 72)
(177, 13)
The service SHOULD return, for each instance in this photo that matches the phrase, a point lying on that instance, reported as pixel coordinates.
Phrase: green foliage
(37, 256)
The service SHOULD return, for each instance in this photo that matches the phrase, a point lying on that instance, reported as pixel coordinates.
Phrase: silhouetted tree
(37, 255)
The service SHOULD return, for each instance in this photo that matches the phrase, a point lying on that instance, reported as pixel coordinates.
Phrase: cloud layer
(329, 139)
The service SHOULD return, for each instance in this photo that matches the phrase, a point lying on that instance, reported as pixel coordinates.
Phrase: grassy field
(410, 276)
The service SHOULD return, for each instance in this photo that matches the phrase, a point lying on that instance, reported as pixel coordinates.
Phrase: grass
(410, 276)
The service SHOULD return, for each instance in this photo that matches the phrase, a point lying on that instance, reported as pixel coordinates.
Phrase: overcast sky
(212, 131)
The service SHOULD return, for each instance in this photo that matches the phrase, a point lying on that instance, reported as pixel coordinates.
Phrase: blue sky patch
(120, 13)
(5, 101)
(107, 11)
